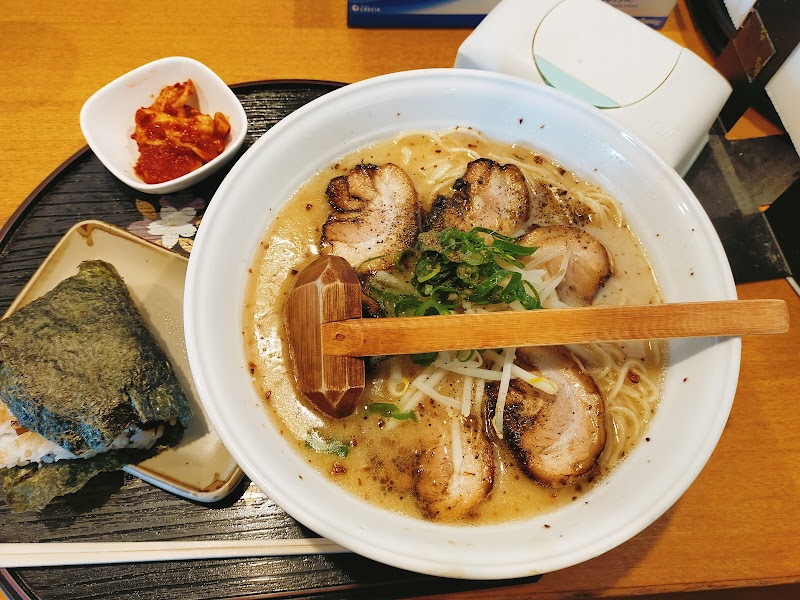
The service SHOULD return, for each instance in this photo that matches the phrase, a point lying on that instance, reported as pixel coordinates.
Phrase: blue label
(405, 13)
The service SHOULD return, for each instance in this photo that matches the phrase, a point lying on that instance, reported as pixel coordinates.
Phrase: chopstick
(51, 554)
(556, 326)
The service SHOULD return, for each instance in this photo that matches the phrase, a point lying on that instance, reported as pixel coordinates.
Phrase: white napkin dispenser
(664, 93)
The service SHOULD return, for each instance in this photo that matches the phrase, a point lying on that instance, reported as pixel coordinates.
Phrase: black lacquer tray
(731, 179)
(119, 507)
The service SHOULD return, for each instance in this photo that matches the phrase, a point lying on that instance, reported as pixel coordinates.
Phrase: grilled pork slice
(456, 472)
(554, 205)
(588, 266)
(555, 438)
(376, 216)
(489, 195)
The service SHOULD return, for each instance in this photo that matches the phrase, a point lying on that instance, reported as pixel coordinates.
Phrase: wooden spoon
(327, 335)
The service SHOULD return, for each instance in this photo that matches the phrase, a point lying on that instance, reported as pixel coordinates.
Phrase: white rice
(19, 447)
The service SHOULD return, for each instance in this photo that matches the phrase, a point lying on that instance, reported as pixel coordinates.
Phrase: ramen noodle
(456, 401)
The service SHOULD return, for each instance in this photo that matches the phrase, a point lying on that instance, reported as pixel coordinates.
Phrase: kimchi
(174, 138)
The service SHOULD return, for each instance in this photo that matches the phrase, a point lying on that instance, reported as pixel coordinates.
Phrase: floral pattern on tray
(173, 223)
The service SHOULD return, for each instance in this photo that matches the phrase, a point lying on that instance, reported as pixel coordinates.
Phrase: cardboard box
(651, 12)
(417, 13)
(468, 13)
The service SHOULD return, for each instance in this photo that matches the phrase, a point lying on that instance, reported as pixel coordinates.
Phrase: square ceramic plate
(199, 468)
(108, 118)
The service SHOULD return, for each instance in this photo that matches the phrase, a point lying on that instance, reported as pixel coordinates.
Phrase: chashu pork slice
(588, 265)
(555, 438)
(488, 195)
(376, 216)
(456, 472)
(552, 204)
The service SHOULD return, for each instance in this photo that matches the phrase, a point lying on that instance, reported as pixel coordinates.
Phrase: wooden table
(737, 526)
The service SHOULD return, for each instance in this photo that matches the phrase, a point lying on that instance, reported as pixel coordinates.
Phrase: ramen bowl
(679, 240)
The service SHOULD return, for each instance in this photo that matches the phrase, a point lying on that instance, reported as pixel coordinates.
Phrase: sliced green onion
(426, 269)
(431, 307)
(483, 292)
(406, 305)
(450, 268)
(371, 259)
(391, 411)
(425, 359)
(317, 443)
(464, 355)
(469, 274)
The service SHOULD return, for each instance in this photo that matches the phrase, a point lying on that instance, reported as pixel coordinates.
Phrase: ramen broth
(379, 465)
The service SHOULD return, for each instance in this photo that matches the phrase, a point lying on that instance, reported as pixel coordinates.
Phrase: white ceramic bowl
(107, 118)
(681, 243)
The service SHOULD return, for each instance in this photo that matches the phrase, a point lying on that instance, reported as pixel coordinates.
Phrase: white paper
(784, 91)
(738, 10)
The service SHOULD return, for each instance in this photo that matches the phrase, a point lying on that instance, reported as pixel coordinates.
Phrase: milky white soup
(383, 453)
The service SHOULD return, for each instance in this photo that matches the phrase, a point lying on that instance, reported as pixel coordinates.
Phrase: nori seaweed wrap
(80, 367)
(33, 486)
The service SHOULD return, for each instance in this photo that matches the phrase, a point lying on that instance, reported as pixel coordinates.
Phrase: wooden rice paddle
(327, 335)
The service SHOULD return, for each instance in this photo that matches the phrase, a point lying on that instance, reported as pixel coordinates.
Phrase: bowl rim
(179, 183)
(730, 347)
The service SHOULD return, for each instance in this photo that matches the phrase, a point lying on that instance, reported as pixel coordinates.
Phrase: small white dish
(107, 118)
(199, 467)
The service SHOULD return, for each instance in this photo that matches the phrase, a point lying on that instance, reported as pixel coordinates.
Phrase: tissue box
(468, 13)
(662, 92)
